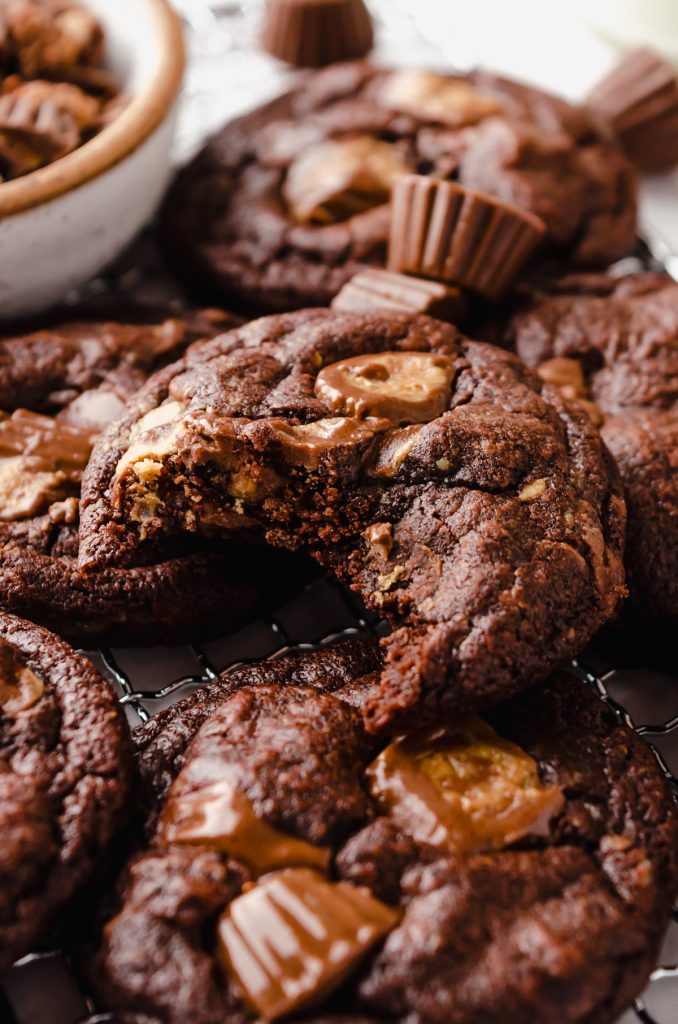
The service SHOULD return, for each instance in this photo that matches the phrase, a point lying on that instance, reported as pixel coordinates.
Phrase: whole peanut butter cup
(640, 100)
(445, 231)
(313, 33)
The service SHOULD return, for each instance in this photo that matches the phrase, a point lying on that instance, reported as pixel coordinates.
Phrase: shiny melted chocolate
(463, 787)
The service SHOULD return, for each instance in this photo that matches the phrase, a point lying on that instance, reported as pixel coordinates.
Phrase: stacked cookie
(439, 826)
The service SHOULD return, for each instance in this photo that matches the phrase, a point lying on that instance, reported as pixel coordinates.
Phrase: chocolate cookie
(614, 341)
(58, 388)
(286, 204)
(509, 869)
(471, 505)
(65, 776)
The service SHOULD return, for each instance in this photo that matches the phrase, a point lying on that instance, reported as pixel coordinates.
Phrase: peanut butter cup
(312, 33)
(288, 203)
(542, 835)
(442, 230)
(54, 95)
(640, 100)
(467, 502)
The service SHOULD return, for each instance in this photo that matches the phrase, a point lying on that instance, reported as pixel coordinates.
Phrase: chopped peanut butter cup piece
(445, 231)
(401, 387)
(437, 98)
(382, 289)
(41, 461)
(222, 816)
(305, 444)
(41, 122)
(340, 178)
(568, 376)
(312, 33)
(640, 100)
(463, 787)
(293, 938)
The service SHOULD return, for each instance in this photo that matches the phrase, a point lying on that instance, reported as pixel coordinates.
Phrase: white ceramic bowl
(60, 225)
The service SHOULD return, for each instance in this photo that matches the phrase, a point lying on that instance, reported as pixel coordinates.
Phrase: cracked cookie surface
(286, 204)
(65, 779)
(59, 387)
(468, 502)
(619, 338)
(559, 921)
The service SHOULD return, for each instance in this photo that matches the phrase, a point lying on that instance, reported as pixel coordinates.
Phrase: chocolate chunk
(446, 231)
(463, 787)
(293, 938)
(221, 815)
(640, 100)
(312, 33)
(382, 289)
(400, 387)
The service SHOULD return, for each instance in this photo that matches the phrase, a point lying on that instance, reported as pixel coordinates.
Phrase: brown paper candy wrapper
(639, 98)
(313, 33)
(382, 289)
(444, 231)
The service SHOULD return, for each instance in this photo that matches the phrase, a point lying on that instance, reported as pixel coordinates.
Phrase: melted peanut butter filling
(335, 180)
(293, 938)
(432, 97)
(41, 461)
(463, 787)
(305, 444)
(222, 816)
(402, 387)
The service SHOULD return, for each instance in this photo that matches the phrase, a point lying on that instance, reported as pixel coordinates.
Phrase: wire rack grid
(641, 688)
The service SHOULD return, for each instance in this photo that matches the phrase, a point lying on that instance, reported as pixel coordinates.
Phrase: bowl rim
(146, 110)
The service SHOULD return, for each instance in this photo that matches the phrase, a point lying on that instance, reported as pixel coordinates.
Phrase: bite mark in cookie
(499, 502)
(60, 387)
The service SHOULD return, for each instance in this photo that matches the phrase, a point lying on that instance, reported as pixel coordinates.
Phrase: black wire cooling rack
(42, 988)
(634, 670)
